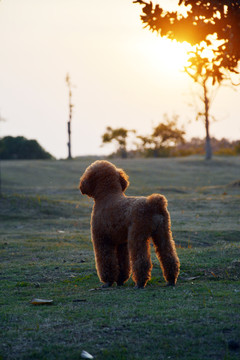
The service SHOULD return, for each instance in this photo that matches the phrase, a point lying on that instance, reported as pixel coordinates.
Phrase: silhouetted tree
(16, 148)
(207, 24)
(1, 119)
(165, 135)
(203, 18)
(118, 135)
(69, 85)
(201, 70)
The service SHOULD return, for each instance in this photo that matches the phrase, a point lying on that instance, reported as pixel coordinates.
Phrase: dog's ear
(123, 178)
(85, 186)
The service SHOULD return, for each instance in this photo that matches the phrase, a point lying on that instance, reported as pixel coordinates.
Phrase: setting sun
(164, 52)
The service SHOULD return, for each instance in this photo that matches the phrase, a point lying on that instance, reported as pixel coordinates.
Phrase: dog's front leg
(124, 264)
(139, 248)
(106, 261)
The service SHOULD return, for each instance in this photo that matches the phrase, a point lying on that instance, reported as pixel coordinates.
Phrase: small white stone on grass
(86, 355)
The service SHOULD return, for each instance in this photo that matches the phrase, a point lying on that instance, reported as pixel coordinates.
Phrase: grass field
(46, 252)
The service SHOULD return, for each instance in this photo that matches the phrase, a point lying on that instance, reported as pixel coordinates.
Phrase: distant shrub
(225, 152)
(237, 147)
(195, 146)
(16, 148)
(158, 152)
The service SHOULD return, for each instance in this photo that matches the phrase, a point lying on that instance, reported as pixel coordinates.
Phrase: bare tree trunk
(155, 153)
(70, 115)
(208, 147)
(123, 152)
(0, 180)
(69, 140)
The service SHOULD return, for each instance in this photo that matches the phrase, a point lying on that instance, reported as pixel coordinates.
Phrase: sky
(123, 76)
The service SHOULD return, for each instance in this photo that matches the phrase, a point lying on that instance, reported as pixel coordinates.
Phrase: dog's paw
(138, 287)
(106, 285)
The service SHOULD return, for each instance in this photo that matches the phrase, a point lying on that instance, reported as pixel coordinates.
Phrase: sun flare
(165, 53)
(175, 53)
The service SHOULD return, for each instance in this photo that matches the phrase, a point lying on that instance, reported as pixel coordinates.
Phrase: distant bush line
(166, 139)
(195, 146)
(20, 148)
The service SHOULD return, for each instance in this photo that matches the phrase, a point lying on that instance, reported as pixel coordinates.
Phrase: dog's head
(102, 177)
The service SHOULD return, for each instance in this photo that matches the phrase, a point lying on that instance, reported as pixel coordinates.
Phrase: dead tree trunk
(69, 137)
(0, 180)
(70, 116)
(208, 147)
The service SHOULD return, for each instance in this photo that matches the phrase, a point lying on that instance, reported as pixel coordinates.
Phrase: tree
(204, 21)
(119, 135)
(1, 119)
(201, 70)
(207, 24)
(16, 148)
(69, 85)
(164, 136)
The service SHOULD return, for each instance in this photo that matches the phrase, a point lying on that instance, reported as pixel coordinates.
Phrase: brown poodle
(122, 227)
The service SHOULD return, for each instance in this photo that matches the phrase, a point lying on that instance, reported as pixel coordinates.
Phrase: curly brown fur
(123, 226)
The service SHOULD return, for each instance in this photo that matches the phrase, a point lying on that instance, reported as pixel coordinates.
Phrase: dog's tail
(157, 203)
(162, 238)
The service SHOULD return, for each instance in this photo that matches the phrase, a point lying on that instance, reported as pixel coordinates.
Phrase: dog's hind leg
(124, 264)
(139, 247)
(165, 248)
(106, 262)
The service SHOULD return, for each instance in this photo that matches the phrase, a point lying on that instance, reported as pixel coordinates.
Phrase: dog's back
(116, 215)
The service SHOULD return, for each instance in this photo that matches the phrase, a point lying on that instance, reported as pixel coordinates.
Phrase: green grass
(46, 252)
